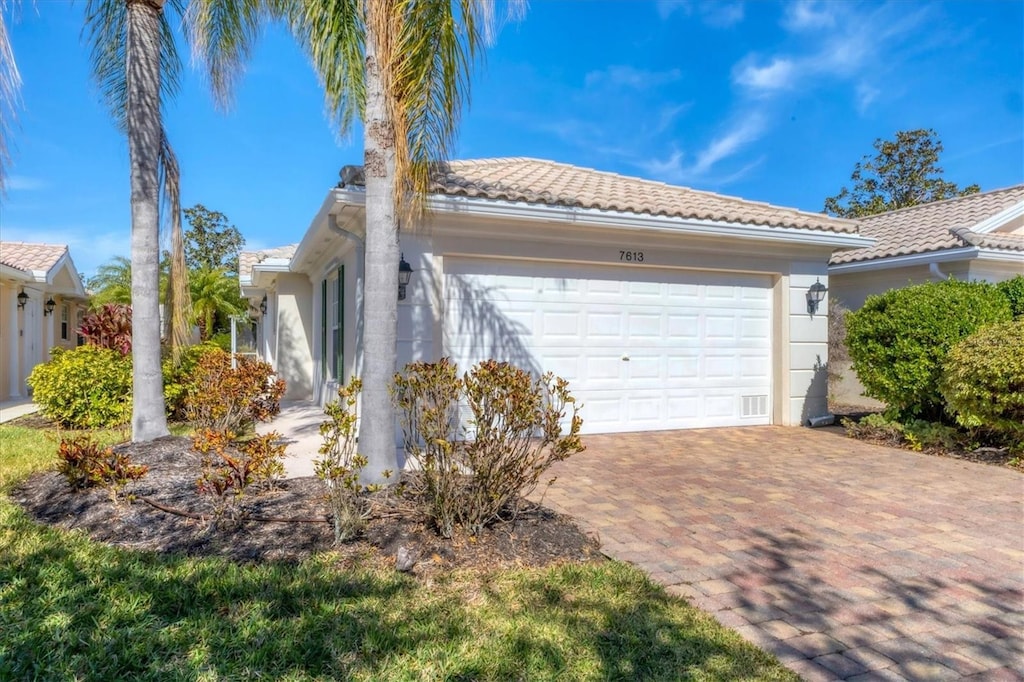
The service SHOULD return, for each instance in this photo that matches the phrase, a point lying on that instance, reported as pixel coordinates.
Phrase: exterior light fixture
(263, 305)
(815, 295)
(404, 275)
(22, 299)
(49, 306)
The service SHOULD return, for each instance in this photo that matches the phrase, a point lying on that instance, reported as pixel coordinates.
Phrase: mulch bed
(538, 536)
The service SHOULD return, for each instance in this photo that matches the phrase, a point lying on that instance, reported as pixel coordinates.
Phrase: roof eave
(601, 218)
(907, 260)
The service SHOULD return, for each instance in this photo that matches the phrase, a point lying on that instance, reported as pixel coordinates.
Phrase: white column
(15, 334)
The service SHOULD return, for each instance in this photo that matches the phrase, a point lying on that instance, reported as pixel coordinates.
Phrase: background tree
(905, 172)
(210, 241)
(214, 294)
(112, 282)
(403, 67)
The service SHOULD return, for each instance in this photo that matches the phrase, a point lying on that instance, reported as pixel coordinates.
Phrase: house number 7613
(637, 256)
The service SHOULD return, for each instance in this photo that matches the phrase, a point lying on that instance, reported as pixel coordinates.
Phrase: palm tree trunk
(144, 138)
(380, 288)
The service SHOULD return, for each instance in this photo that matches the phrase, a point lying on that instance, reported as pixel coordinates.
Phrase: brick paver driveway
(846, 560)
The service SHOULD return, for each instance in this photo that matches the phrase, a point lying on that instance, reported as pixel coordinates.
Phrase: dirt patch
(537, 537)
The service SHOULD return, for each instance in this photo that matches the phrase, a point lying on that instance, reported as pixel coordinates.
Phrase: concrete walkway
(12, 409)
(846, 560)
(299, 425)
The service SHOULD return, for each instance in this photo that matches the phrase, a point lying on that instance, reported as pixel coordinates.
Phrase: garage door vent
(755, 406)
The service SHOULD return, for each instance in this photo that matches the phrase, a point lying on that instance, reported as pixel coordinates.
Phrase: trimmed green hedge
(899, 340)
(983, 380)
(85, 388)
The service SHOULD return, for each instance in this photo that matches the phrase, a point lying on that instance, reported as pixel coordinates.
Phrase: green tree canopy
(905, 172)
(210, 241)
(214, 293)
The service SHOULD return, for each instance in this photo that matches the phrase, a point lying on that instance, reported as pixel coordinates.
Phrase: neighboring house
(42, 301)
(663, 306)
(975, 237)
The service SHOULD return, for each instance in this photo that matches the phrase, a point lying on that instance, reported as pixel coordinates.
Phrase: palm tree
(402, 66)
(136, 65)
(112, 282)
(214, 293)
(10, 87)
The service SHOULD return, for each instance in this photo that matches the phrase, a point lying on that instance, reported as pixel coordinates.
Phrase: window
(64, 322)
(332, 336)
(79, 319)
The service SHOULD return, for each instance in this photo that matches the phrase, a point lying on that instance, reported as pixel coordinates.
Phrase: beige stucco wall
(852, 289)
(294, 325)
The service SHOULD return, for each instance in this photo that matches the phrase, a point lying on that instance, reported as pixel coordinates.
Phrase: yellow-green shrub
(983, 380)
(85, 388)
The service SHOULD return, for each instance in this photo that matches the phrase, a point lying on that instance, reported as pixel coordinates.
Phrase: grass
(74, 609)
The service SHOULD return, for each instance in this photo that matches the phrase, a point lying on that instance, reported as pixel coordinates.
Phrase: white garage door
(643, 349)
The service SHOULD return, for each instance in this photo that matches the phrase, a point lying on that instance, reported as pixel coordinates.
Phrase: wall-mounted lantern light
(49, 306)
(22, 299)
(815, 295)
(263, 305)
(404, 275)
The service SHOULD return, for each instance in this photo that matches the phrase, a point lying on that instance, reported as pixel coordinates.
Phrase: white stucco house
(975, 237)
(664, 307)
(42, 302)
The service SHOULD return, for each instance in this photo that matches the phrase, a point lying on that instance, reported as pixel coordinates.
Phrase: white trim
(927, 258)
(992, 223)
(490, 208)
(963, 253)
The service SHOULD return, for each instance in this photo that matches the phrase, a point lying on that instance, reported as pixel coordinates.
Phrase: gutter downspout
(360, 246)
(933, 268)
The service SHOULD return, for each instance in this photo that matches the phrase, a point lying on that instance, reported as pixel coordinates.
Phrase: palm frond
(10, 95)
(106, 33)
(332, 34)
(223, 34)
(178, 318)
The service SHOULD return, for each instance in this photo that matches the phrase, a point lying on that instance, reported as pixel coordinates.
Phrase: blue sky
(768, 101)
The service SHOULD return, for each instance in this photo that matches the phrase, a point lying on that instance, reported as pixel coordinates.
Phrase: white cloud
(719, 14)
(23, 183)
(666, 8)
(866, 94)
(676, 169)
(631, 77)
(777, 75)
(808, 15)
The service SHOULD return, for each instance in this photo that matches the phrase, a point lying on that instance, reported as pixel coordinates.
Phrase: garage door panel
(668, 349)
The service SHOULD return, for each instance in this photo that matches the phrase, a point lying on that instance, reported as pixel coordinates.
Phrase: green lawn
(74, 609)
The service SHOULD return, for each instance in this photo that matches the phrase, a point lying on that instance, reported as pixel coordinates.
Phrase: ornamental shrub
(475, 472)
(899, 340)
(222, 399)
(230, 467)
(110, 326)
(177, 380)
(983, 380)
(1013, 290)
(339, 465)
(85, 464)
(85, 388)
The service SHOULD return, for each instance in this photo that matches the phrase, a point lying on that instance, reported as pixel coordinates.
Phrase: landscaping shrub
(875, 428)
(899, 340)
(85, 388)
(110, 326)
(231, 467)
(471, 475)
(85, 464)
(340, 466)
(1013, 290)
(223, 399)
(983, 380)
(177, 380)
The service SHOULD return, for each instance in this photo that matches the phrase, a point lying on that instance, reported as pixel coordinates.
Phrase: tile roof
(31, 257)
(249, 259)
(936, 226)
(547, 182)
